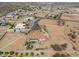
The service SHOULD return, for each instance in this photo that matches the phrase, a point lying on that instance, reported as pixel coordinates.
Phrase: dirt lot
(12, 41)
(70, 17)
(56, 33)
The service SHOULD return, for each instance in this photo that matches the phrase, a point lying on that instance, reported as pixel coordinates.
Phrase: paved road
(23, 51)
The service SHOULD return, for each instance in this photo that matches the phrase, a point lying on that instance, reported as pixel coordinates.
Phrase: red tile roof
(37, 35)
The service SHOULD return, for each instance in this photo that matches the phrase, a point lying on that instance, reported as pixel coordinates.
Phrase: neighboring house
(19, 27)
(36, 26)
(30, 18)
(2, 23)
(37, 35)
(13, 15)
(29, 22)
(24, 27)
(9, 15)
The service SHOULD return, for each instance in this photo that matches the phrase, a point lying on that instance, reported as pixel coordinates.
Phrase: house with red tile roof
(37, 35)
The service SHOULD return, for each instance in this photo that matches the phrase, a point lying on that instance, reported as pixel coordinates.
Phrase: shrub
(29, 47)
(59, 47)
(74, 48)
(65, 55)
(61, 55)
(72, 34)
(61, 22)
(37, 54)
(56, 55)
(55, 17)
(26, 43)
(64, 46)
(56, 47)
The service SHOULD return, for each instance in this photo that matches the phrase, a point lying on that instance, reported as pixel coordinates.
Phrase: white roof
(31, 18)
(20, 25)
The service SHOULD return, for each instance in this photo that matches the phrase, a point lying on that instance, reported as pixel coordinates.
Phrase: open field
(10, 41)
(70, 17)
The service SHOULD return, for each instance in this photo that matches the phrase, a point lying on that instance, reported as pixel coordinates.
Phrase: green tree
(21, 55)
(7, 53)
(72, 34)
(16, 53)
(12, 52)
(42, 53)
(1, 52)
(26, 53)
(31, 54)
(37, 54)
